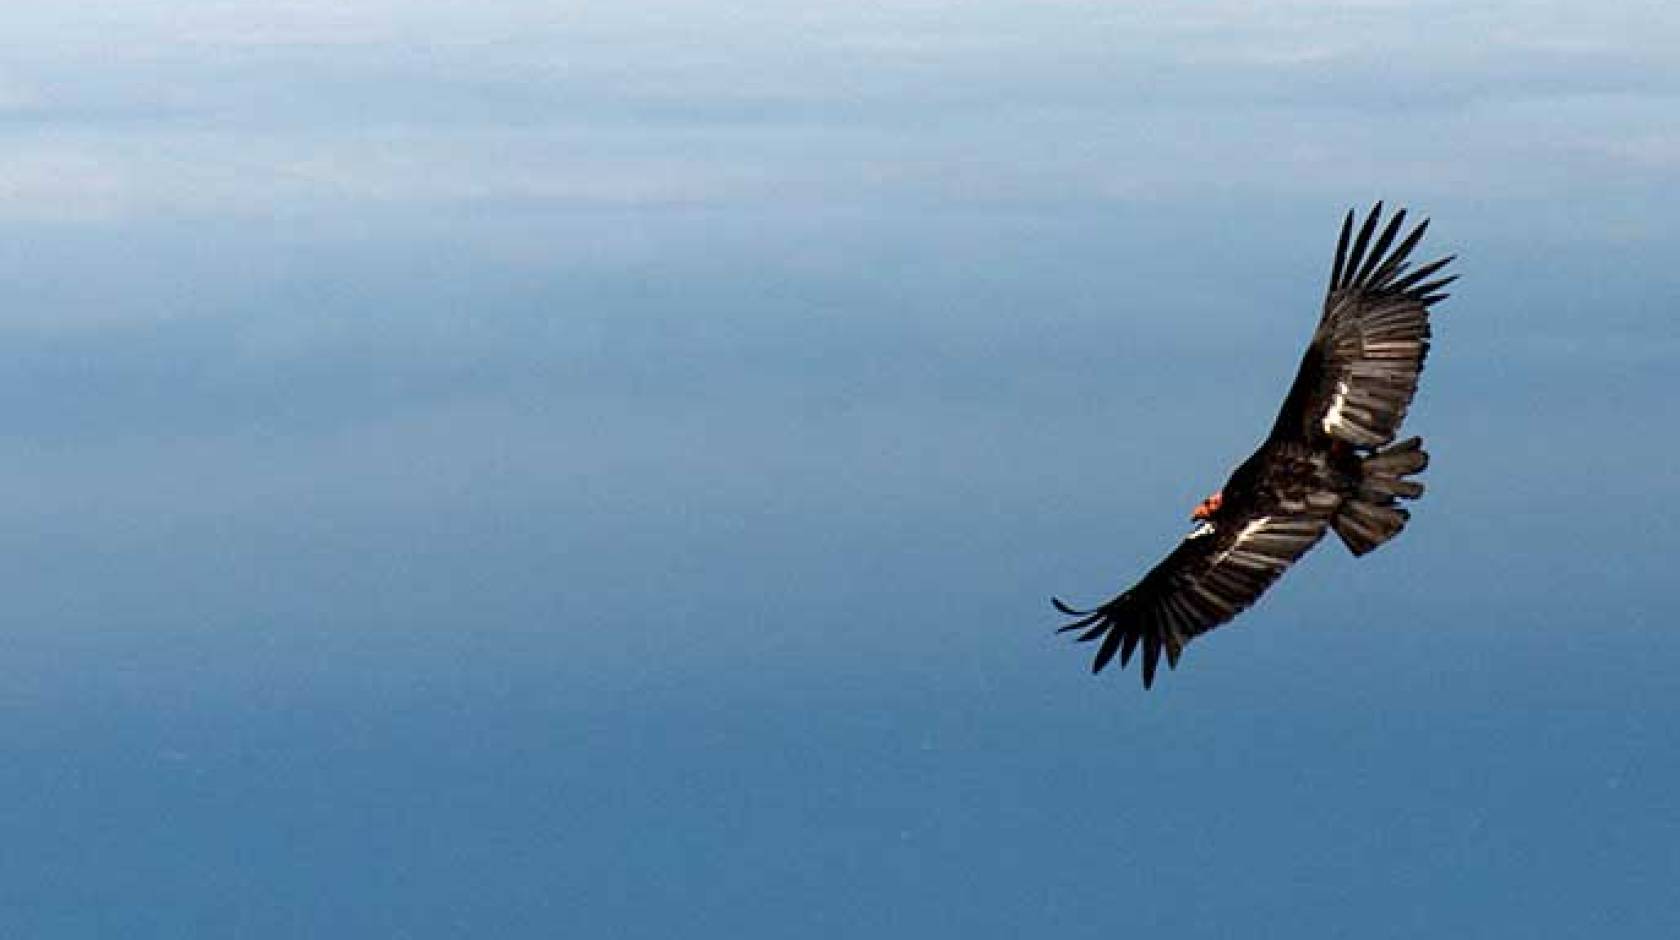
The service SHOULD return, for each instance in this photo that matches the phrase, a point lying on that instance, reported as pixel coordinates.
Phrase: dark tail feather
(1363, 526)
(1373, 516)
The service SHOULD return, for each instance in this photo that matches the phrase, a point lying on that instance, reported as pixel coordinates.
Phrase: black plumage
(1329, 464)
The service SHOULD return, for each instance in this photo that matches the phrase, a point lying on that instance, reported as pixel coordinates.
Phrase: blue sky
(535, 470)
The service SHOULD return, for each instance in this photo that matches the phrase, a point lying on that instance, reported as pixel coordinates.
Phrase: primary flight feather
(1329, 463)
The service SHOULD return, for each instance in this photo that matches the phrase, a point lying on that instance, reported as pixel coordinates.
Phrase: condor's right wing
(1213, 575)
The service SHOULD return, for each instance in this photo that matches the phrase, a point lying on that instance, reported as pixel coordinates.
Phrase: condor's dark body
(1329, 464)
(1287, 476)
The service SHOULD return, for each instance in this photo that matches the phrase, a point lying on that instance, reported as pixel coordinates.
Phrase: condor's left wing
(1360, 372)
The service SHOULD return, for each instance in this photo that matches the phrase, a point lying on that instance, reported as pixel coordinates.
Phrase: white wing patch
(1375, 354)
(1266, 545)
(1205, 528)
(1334, 420)
(1242, 552)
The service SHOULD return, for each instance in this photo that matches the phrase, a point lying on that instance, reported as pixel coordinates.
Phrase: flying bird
(1330, 462)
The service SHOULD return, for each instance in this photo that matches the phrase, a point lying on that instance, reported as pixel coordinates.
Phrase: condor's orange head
(1207, 507)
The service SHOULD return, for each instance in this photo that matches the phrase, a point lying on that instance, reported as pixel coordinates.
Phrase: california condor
(1330, 461)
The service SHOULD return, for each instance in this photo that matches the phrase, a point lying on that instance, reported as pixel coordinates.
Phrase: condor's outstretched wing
(1214, 574)
(1361, 370)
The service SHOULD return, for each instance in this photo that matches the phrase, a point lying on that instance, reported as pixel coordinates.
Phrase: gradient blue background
(554, 470)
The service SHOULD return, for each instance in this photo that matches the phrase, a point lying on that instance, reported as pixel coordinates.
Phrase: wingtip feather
(1356, 256)
(1065, 608)
(1151, 658)
(1340, 263)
